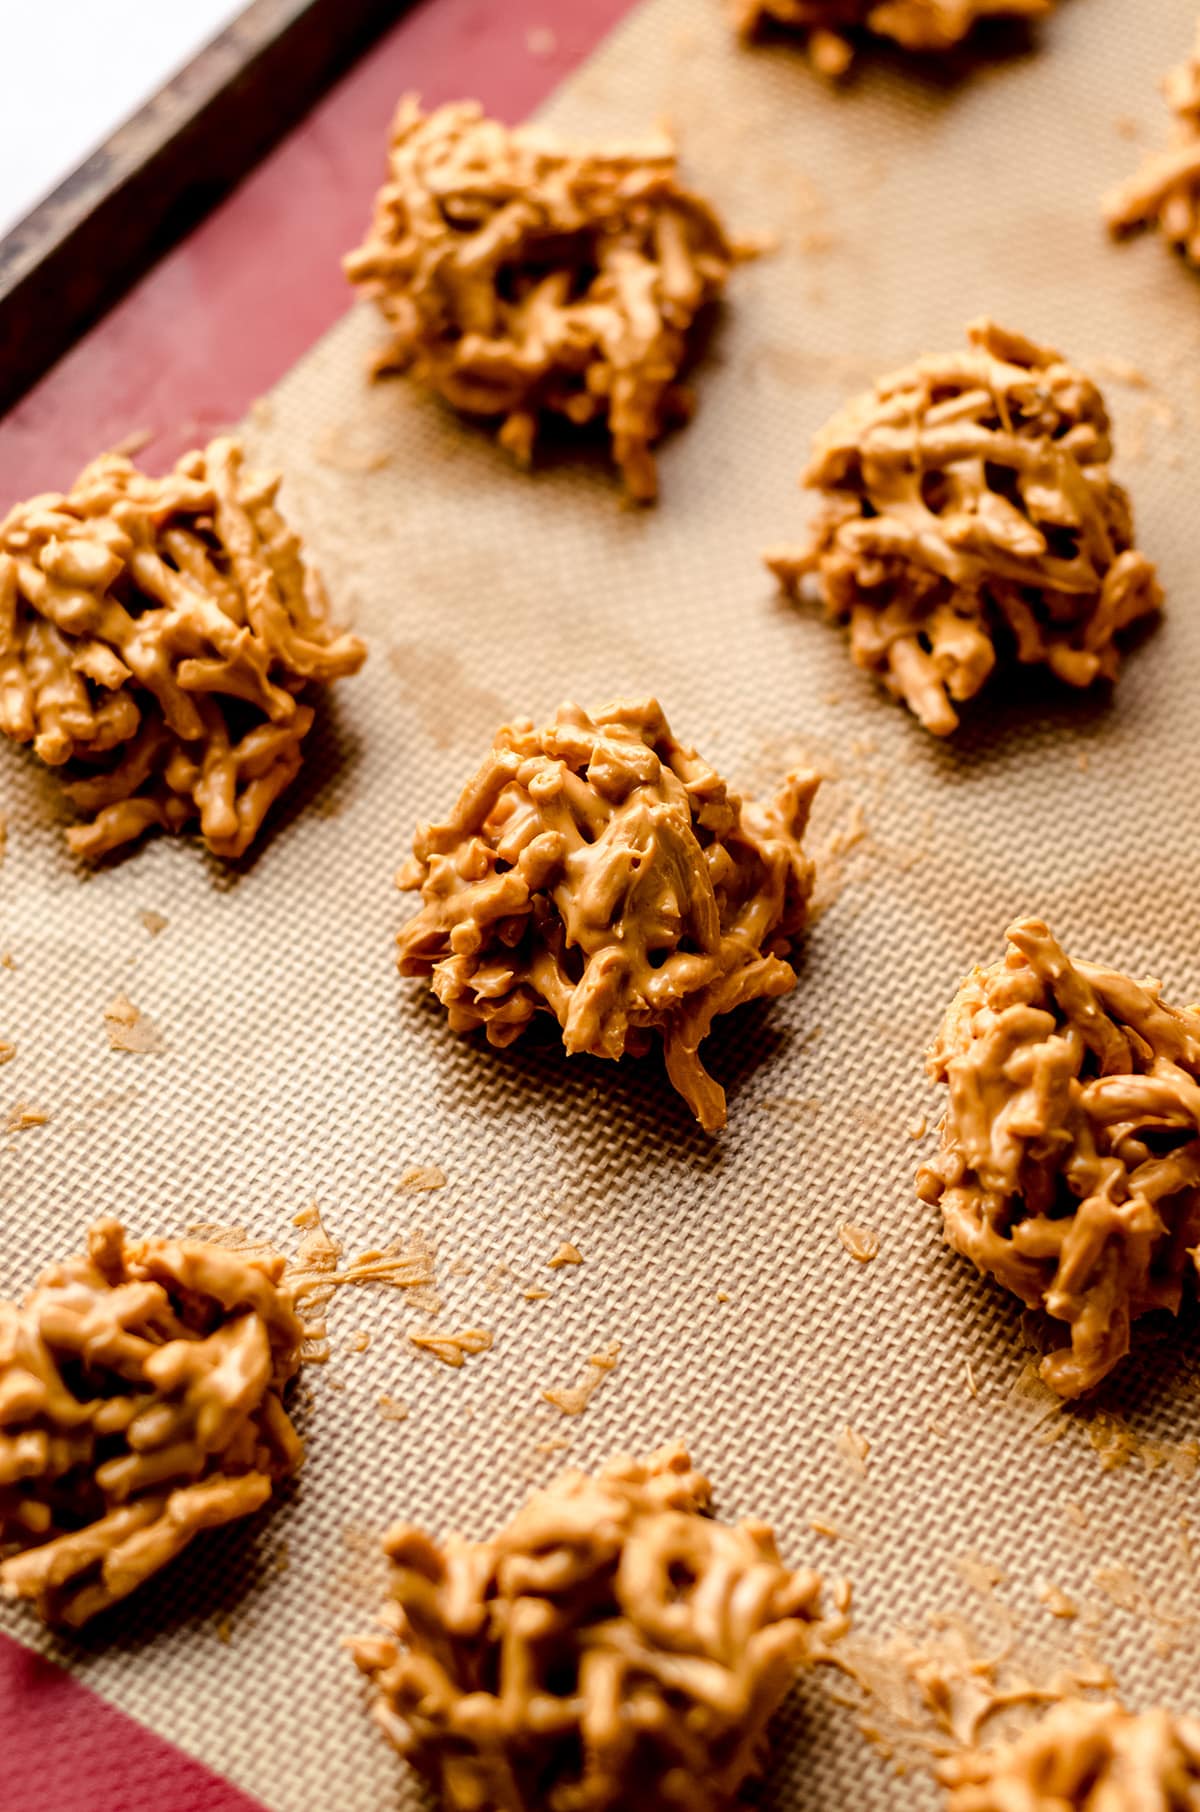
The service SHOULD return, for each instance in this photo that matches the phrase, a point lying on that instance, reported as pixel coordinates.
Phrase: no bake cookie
(916, 25)
(141, 1401)
(1165, 192)
(612, 1645)
(599, 871)
(969, 526)
(1069, 1161)
(523, 281)
(1085, 1757)
(160, 639)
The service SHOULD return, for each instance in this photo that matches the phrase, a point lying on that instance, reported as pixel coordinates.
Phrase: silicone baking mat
(297, 1067)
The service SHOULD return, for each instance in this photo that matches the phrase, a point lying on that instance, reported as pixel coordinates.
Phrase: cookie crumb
(420, 1177)
(155, 922)
(854, 1449)
(392, 1409)
(981, 1575)
(566, 1255)
(21, 1117)
(573, 1399)
(860, 1242)
(452, 1349)
(1057, 1602)
(129, 1030)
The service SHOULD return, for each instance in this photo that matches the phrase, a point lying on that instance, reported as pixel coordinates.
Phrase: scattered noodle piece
(824, 1526)
(535, 1293)
(8, 1050)
(359, 1342)
(566, 1255)
(129, 1030)
(391, 1408)
(452, 1349)
(155, 922)
(573, 1399)
(928, 1695)
(317, 1273)
(860, 1242)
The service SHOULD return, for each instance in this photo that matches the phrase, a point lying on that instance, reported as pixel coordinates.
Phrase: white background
(77, 68)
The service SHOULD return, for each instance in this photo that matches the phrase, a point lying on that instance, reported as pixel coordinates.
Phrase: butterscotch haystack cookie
(1069, 1165)
(140, 1402)
(1084, 1757)
(600, 871)
(917, 25)
(613, 1645)
(1166, 190)
(523, 281)
(158, 638)
(969, 524)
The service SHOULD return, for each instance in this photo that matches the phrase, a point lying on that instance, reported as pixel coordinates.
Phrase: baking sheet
(298, 1066)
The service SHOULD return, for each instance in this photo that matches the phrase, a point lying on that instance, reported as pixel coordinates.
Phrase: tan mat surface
(298, 1066)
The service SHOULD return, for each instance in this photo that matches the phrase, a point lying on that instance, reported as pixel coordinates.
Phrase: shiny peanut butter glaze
(1165, 192)
(612, 1645)
(1085, 1757)
(916, 25)
(140, 1402)
(598, 870)
(524, 281)
(1069, 1164)
(968, 522)
(158, 635)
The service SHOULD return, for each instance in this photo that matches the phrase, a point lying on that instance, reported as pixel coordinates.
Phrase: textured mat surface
(298, 1066)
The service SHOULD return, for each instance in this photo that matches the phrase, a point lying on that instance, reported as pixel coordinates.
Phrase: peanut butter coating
(969, 525)
(523, 281)
(1069, 1162)
(1165, 192)
(612, 1645)
(140, 1402)
(598, 870)
(157, 639)
(1085, 1757)
(916, 25)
